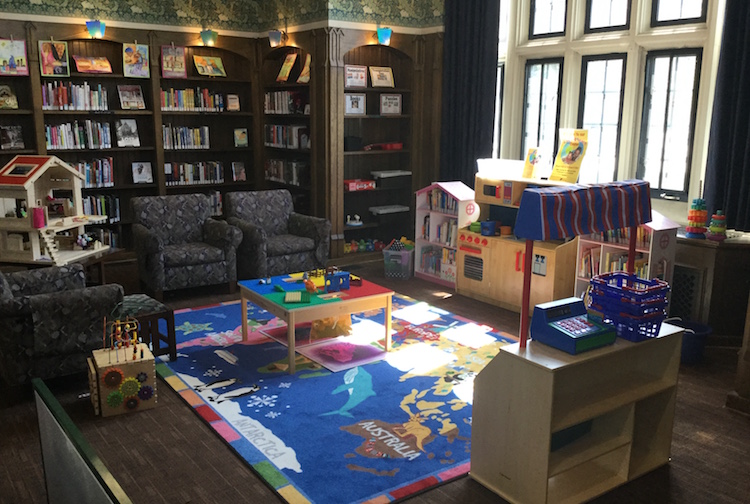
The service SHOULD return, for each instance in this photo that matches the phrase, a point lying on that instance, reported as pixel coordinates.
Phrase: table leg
(290, 342)
(388, 324)
(243, 302)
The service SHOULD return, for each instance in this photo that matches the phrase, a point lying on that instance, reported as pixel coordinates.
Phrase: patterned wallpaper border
(241, 16)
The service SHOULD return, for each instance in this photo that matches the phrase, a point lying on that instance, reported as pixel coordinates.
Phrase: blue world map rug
(374, 433)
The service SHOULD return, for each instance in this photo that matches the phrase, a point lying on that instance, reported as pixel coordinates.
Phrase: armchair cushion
(46, 280)
(288, 244)
(189, 254)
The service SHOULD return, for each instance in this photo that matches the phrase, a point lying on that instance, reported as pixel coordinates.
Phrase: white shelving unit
(442, 209)
(548, 426)
(655, 252)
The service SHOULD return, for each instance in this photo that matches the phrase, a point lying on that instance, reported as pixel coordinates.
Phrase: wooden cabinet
(286, 127)
(442, 209)
(656, 243)
(206, 126)
(548, 426)
(377, 146)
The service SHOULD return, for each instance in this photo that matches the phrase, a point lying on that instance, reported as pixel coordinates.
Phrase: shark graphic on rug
(358, 383)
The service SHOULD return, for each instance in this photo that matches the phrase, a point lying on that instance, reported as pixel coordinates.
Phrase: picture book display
(355, 104)
(570, 155)
(127, 133)
(131, 97)
(240, 137)
(390, 104)
(304, 76)
(355, 76)
(142, 173)
(238, 171)
(8, 99)
(90, 64)
(286, 67)
(381, 76)
(13, 59)
(53, 58)
(173, 62)
(209, 65)
(233, 103)
(532, 159)
(11, 137)
(135, 60)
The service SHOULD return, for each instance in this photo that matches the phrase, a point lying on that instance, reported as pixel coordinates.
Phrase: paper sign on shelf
(570, 155)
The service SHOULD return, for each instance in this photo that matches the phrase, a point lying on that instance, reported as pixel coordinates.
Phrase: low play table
(357, 298)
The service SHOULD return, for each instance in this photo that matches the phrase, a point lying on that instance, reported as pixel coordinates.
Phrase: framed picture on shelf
(142, 173)
(13, 60)
(53, 58)
(355, 76)
(355, 104)
(390, 104)
(173, 62)
(381, 76)
(135, 60)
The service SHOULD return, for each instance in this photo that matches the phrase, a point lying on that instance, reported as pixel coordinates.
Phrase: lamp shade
(96, 28)
(209, 37)
(384, 36)
(276, 38)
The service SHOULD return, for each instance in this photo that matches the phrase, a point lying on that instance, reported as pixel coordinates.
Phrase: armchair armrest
(146, 241)
(317, 228)
(252, 249)
(221, 234)
(251, 234)
(45, 280)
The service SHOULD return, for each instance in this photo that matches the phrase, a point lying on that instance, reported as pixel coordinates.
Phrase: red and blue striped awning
(554, 213)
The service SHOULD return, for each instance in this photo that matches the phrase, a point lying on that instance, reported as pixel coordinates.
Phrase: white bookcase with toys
(605, 252)
(442, 209)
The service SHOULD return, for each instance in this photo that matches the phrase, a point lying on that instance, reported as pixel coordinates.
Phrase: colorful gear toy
(131, 403)
(130, 387)
(113, 378)
(142, 377)
(146, 393)
(114, 399)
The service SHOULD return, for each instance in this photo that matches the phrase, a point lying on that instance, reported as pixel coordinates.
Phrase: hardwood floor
(168, 455)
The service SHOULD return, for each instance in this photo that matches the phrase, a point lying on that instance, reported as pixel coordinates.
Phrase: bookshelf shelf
(392, 152)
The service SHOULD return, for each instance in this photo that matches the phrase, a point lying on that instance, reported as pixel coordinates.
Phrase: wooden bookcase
(442, 209)
(287, 132)
(21, 117)
(553, 427)
(225, 161)
(387, 210)
(656, 244)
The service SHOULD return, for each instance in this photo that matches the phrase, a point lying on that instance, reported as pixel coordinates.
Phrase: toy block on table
(120, 383)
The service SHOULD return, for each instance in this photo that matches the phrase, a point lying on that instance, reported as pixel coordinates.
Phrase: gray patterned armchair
(179, 245)
(276, 240)
(50, 321)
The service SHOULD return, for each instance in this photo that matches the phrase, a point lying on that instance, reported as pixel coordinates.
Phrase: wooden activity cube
(121, 384)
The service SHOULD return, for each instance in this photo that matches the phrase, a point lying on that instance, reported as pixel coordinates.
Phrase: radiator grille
(473, 267)
(686, 293)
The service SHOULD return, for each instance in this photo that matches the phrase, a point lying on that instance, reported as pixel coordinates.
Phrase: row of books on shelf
(296, 173)
(58, 95)
(642, 237)
(198, 100)
(592, 263)
(201, 172)
(438, 261)
(87, 134)
(97, 172)
(102, 204)
(184, 137)
(287, 136)
(446, 232)
(442, 201)
(286, 102)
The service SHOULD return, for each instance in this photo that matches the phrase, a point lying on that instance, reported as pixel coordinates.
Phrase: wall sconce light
(96, 28)
(384, 36)
(209, 37)
(277, 38)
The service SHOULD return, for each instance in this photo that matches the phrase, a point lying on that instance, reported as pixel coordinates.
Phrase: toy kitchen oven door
(478, 272)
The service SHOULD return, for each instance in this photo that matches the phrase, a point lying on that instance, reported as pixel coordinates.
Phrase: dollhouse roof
(457, 189)
(23, 171)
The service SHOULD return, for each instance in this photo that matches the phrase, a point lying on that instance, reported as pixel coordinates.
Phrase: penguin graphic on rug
(358, 383)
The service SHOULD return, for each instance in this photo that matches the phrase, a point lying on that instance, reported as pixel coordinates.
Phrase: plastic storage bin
(636, 307)
(398, 263)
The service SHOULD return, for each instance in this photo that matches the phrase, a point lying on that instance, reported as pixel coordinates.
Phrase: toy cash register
(564, 324)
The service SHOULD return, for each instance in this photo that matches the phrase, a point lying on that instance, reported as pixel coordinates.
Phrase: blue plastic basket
(635, 306)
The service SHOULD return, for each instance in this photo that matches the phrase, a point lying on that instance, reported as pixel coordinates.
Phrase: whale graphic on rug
(358, 383)
(234, 394)
(217, 384)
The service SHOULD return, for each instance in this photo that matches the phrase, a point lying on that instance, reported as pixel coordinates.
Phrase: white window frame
(636, 41)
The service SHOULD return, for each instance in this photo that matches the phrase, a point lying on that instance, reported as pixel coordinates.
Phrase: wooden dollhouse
(43, 212)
